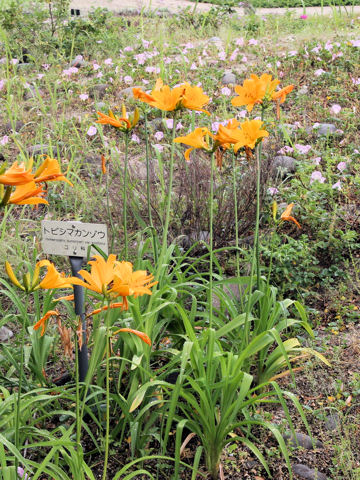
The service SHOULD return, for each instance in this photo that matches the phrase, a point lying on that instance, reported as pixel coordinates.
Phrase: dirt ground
(175, 5)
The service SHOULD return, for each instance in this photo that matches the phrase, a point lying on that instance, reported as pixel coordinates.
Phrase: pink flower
(96, 66)
(22, 475)
(4, 140)
(328, 46)
(303, 149)
(242, 113)
(83, 96)
(239, 42)
(14, 61)
(135, 138)
(234, 55)
(145, 82)
(158, 147)
(244, 59)
(108, 61)
(253, 41)
(128, 49)
(92, 131)
(337, 185)
(292, 53)
(222, 55)
(285, 149)
(146, 43)
(317, 176)
(317, 160)
(99, 75)
(319, 72)
(273, 190)
(40, 76)
(193, 66)
(335, 109)
(45, 66)
(355, 43)
(226, 91)
(2, 84)
(169, 122)
(355, 81)
(159, 136)
(128, 80)
(341, 166)
(140, 58)
(179, 126)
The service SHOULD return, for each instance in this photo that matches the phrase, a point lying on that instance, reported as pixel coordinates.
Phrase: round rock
(308, 473)
(127, 92)
(228, 79)
(98, 91)
(5, 334)
(302, 440)
(283, 164)
(326, 129)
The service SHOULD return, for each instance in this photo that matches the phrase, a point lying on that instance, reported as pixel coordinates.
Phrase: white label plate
(72, 238)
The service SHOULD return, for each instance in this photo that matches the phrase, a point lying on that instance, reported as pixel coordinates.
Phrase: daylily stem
(107, 380)
(18, 402)
(168, 204)
(125, 193)
(211, 240)
(153, 231)
(78, 418)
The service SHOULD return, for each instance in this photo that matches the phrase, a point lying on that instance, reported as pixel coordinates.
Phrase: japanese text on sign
(72, 238)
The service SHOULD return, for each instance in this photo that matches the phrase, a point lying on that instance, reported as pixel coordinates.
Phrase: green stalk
(153, 232)
(112, 226)
(18, 402)
(236, 216)
(107, 374)
(211, 240)
(257, 222)
(125, 193)
(168, 203)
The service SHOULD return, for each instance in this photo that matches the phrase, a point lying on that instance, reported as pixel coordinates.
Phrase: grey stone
(232, 290)
(303, 90)
(78, 62)
(228, 79)
(100, 105)
(332, 422)
(18, 126)
(308, 473)
(302, 440)
(44, 149)
(326, 129)
(98, 91)
(156, 124)
(127, 92)
(283, 164)
(5, 334)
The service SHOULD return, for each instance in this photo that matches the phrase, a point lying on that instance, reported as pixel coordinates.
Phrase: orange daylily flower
(103, 164)
(281, 94)
(106, 307)
(28, 194)
(127, 282)
(286, 215)
(141, 335)
(224, 136)
(195, 139)
(65, 336)
(53, 278)
(43, 321)
(68, 298)
(101, 277)
(246, 136)
(164, 98)
(113, 120)
(50, 171)
(255, 90)
(194, 98)
(17, 175)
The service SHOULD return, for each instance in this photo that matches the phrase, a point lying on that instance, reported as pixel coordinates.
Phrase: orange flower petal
(141, 335)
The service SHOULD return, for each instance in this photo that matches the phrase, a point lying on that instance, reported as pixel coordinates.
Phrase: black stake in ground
(76, 264)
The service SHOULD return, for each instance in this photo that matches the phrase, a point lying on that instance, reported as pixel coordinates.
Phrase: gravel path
(176, 5)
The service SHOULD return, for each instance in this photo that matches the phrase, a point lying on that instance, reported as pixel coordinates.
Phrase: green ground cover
(283, 3)
(252, 330)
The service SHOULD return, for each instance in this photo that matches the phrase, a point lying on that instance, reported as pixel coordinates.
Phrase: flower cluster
(29, 188)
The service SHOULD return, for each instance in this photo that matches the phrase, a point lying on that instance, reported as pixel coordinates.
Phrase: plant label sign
(72, 239)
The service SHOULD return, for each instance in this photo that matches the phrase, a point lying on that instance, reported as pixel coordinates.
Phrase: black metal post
(76, 264)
